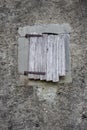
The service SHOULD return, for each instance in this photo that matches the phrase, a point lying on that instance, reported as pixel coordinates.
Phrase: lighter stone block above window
(44, 54)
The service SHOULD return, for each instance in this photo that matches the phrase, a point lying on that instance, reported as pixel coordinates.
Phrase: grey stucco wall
(42, 106)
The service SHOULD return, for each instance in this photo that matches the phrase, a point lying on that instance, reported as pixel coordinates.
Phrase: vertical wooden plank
(55, 59)
(60, 55)
(32, 44)
(67, 52)
(44, 55)
(38, 57)
(23, 46)
(63, 57)
(49, 58)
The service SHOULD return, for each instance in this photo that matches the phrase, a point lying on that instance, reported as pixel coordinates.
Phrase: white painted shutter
(23, 49)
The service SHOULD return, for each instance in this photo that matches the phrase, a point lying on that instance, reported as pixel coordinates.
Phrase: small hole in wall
(37, 125)
(59, 93)
(61, 77)
(84, 116)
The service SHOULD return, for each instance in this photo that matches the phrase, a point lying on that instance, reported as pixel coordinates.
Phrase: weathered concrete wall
(42, 106)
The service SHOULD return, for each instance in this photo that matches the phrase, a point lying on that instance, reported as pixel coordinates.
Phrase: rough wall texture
(45, 106)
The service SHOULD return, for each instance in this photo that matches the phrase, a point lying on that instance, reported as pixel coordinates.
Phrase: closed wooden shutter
(48, 54)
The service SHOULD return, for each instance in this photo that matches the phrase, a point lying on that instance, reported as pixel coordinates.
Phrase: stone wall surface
(42, 106)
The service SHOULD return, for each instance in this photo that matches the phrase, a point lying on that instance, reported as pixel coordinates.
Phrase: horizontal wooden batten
(50, 33)
(33, 35)
(32, 72)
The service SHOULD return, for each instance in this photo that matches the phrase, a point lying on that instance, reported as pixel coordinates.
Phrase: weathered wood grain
(67, 52)
(47, 54)
(63, 57)
(32, 44)
(38, 57)
(44, 56)
(49, 57)
(55, 67)
(60, 55)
